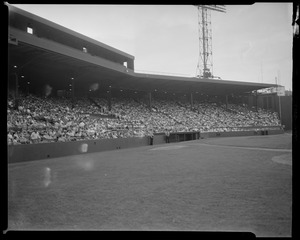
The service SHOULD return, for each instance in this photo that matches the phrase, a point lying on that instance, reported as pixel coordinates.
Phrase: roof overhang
(58, 65)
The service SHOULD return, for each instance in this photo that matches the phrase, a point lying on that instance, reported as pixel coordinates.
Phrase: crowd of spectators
(58, 119)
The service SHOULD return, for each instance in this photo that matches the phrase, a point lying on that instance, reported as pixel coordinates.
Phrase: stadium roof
(59, 69)
(53, 62)
(39, 22)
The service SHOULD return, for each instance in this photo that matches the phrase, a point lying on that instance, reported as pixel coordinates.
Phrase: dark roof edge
(193, 79)
(67, 30)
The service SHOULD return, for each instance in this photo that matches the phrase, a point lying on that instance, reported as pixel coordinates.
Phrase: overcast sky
(251, 43)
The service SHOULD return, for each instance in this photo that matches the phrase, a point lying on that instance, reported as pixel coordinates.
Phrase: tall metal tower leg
(199, 70)
(205, 63)
(204, 66)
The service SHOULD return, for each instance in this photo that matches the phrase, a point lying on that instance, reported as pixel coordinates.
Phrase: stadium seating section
(55, 119)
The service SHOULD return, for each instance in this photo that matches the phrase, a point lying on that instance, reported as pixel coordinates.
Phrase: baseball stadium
(95, 145)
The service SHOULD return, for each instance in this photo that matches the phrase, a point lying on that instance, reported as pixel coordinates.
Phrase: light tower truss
(205, 61)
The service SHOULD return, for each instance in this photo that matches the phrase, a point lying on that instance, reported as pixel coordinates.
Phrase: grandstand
(64, 86)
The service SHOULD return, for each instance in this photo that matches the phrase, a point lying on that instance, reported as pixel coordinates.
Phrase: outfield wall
(29, 152)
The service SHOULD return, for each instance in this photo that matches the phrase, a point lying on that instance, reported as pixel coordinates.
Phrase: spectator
(151, 136)
(35, 137)
(167, 133)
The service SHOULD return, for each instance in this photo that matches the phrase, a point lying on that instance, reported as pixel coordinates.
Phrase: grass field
(218, 184)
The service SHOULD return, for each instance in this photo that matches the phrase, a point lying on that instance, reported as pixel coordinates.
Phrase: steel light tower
(205, 62)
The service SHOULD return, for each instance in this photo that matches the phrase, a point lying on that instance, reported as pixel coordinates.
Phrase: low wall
(29, 152)
(159, 138)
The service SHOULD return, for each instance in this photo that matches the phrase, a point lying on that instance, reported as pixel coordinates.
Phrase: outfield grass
(190, 185)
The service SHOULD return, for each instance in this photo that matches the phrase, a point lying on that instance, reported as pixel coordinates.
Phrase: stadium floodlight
(205, 63)
(219, 8)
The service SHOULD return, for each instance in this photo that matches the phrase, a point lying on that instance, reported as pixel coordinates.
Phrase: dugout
(184, 136)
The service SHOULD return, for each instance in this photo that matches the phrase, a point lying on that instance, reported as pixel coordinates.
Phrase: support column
(226, 99)
(73, 92)
(192, 101)
(256, 102)
(130, 64)
(109, 99)
(150, 100)
(279, 103)
(17, 91)
(27, 87)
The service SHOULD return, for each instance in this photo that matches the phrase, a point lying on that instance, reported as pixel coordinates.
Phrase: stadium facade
(41, 52)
